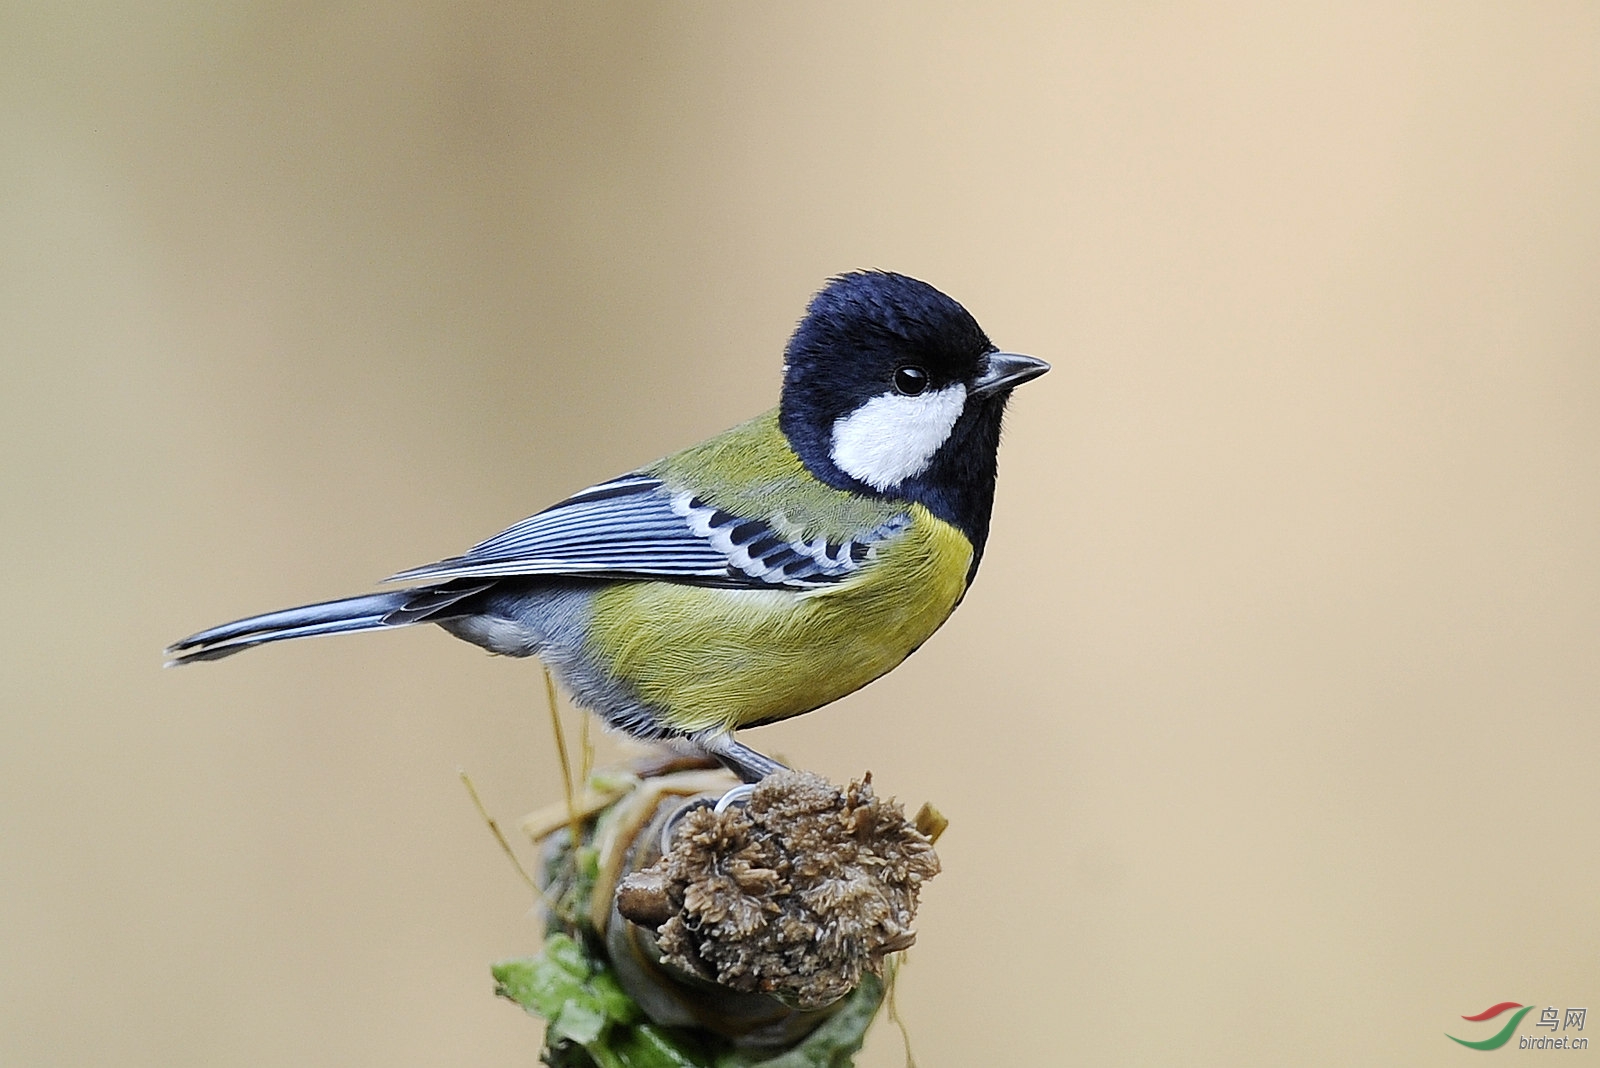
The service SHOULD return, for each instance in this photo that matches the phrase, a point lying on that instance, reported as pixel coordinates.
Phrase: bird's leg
(738, 758)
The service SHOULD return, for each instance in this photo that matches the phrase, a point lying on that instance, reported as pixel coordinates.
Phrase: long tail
(374, 611)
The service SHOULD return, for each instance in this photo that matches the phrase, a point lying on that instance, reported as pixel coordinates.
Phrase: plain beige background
(1269, 730)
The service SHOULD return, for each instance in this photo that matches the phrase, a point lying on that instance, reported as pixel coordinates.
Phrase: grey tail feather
(372, 611)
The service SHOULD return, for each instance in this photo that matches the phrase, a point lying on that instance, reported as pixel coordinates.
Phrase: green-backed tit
(757, 575)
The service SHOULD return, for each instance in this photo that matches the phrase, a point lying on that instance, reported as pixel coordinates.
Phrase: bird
(757, 575)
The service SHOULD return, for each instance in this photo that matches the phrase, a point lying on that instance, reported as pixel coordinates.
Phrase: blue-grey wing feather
(636, 527)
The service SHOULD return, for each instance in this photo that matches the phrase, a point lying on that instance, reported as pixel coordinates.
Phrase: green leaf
(565, 951)
(580, 1019)
(514, 979)
(539, 984)
(648, 1046)
(613, 999)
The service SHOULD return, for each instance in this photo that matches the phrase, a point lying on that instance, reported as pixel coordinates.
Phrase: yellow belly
(711, 659)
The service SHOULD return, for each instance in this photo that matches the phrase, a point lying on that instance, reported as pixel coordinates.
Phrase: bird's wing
(638, 527)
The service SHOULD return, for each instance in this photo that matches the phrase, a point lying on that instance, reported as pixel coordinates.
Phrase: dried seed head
(794, 894)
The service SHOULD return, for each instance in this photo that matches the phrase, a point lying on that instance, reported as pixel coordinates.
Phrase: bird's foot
(738, 758)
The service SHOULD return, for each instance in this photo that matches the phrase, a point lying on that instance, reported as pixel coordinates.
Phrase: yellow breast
(710, 659)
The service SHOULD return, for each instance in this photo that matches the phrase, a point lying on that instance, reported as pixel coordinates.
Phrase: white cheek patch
(892, 437)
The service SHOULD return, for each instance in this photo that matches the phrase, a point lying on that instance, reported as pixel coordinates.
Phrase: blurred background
(1269, 730)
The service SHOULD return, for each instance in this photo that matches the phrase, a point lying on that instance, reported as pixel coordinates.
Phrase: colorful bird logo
(1497, 1040)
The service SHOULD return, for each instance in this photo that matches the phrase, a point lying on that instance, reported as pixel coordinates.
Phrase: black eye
(910, 380)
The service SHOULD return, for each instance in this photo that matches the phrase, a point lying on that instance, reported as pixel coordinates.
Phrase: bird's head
(892, 387)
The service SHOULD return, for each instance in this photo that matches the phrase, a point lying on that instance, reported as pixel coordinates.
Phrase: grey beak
(1003, 370)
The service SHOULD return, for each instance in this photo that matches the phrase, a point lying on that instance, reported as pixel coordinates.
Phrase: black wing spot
(784, 563)
(745, 531)
(783, 558)
(763, 545)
